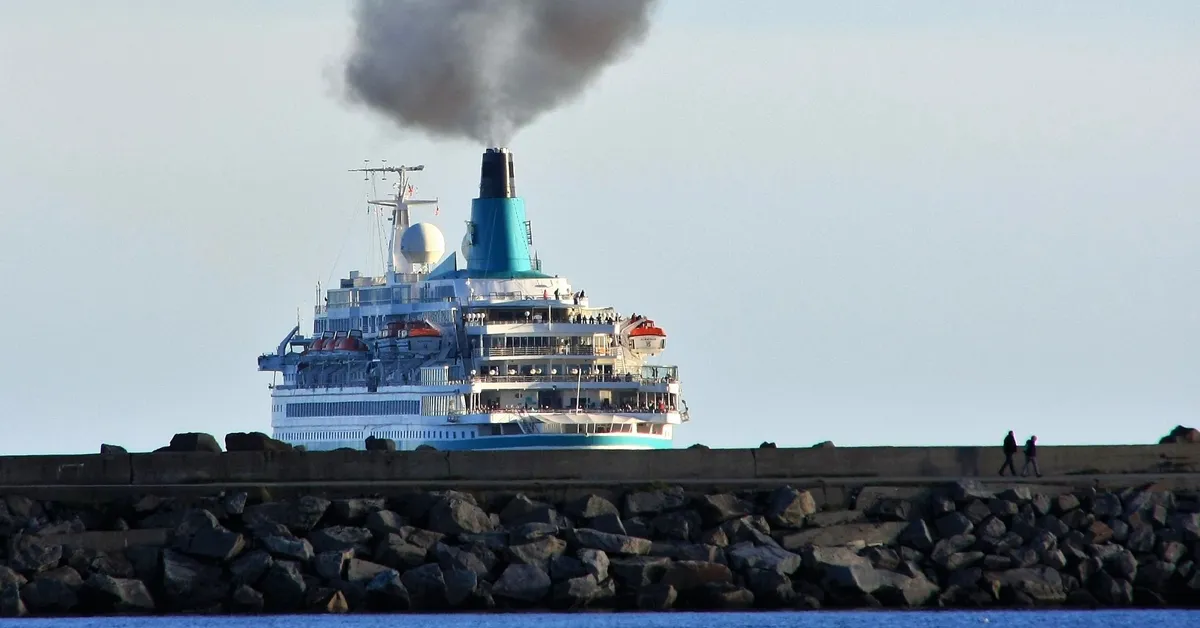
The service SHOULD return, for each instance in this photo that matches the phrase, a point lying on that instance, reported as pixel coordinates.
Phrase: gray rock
(949, 546)
(283, 586)
(1042, 504)
(290, 548)
(358, 570)
(899, 590)
(521, 509)
(891, 509)
(596, 563)
(1053, 525)
(527, 532)
(1187, 525)
(1078, 519)
(539, 552)
(11, 604)
(1055, 559)
(917, 535)
(1040, 584)
(967, 490)
(994, 562)
(842, 570)
(724, 597)
(461, 586)
(1172, 551)
(385, 522)
(563, 568)
(992, 527)
(656, 597)
(340, 538)
(1003, 508)
(8, 576)
(717, 509)
(1017, 494)
(715, 536)
(654, 502)
(1113, 591)
(638, 571)
(31, 554)
(120, 595)
(1106, 506)
(977, 511)
(355, 511)
(1120, 530)
(1122, 564)
(609, 543)
(399, 554)
(250, 567)
(962, 560)
(234, 503)
(745, 556)
(608, 522)
(452, 558)
(299, 516)
(965, 578)
(834, 518)
(770, 589)
(882, 558)
(577, 592)
(456, 516)
(590, 507)
(678, 550)
(1065, 503)
(1141, 539)
(200, 534)
(687, 575)
(55, 590)
(190, 584)
(426, 586)
(954, 523)
(522, 583)
(940, 505)
(681, 525)
(386, 592)
(788, 507)
(332, 565)
(1154, 573)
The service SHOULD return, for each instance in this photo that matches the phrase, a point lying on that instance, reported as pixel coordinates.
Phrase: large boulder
(842, 570)
(120, 595)
(788, 507)
(590, 507)
(254, 441)
(654, 502)
(1181, 434)
(522, 583)
(719, 508)
(112, 450)
(609, 543)
(299, 516)
(189, 583)
(56, 590)
(380, 444)
(454, 515)
(200, 534)
(194, 441)
(745, 556)
(31, 554)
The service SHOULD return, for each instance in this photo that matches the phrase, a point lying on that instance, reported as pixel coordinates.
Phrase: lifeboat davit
(422, 329)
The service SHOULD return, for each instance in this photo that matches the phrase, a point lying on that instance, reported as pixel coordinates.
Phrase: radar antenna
(399, 203)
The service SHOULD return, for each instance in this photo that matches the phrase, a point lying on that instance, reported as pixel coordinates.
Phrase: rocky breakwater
(956, 546)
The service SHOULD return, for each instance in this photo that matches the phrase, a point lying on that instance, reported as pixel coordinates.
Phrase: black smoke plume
(484, 69)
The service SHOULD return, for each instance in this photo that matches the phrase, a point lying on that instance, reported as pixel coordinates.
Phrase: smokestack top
(496, 176)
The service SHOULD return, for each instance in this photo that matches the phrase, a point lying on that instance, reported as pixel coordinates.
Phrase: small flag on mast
(437, 209)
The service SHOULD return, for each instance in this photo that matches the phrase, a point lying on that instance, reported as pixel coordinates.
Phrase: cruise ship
(482, 350)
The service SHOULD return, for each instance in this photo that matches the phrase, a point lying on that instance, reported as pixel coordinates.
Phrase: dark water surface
(975, 619)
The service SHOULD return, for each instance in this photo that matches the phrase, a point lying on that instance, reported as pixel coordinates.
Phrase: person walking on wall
(1010, 450)
(1031, 457)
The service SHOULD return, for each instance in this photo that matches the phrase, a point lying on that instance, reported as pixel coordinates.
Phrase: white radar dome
(466, 247)
(422, 243)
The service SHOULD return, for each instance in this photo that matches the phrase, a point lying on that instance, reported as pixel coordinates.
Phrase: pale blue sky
(890, 223)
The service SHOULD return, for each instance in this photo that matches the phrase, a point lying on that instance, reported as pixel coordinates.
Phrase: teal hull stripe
(531, 441)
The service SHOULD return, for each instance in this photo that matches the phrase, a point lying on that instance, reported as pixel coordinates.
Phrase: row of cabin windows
(353, 408)
(393, 434)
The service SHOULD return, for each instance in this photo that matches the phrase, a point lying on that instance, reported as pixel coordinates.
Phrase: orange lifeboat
(647, 328)
(350, 343)
(317, 345)
(422, 329)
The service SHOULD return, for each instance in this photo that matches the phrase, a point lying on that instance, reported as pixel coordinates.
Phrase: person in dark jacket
(1010, 450)
(1031, 457)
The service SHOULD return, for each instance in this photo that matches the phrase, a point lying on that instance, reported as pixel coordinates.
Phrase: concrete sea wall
(600, 466)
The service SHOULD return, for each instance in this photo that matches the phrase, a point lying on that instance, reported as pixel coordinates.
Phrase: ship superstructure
(478, 351)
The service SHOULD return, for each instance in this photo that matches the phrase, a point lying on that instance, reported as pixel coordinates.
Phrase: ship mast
(400, 204)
